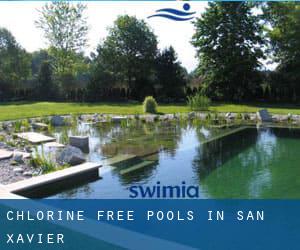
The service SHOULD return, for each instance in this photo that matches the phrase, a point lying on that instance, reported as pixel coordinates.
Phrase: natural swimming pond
(238, 162)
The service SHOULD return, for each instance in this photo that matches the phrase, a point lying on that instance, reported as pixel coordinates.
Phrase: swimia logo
(174, 14)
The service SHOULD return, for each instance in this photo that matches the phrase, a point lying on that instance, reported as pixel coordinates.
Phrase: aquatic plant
(44, 162)
(150, 105)
(198, 102)
(21, 125)
(239, 116)
(64, 137)
(123, 123)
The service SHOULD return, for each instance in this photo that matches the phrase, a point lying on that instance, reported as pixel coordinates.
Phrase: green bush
(199, 102)
(150, 105)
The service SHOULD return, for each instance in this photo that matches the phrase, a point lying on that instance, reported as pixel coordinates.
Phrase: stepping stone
(264, 116)
(120, 159)
(54, 145)
(137, 167)
(35, 138)
(4, 154)
(39, 125)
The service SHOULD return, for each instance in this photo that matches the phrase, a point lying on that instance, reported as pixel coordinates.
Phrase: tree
(171, 75)
(37, 58)
(45, 82)
(228, 42)
(126, 57)
(14, 64)
(65, 28)
(284, 36)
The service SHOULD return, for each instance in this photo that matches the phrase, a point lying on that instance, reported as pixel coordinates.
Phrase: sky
(19, 17)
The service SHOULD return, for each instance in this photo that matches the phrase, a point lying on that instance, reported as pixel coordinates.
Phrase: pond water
(224, 163)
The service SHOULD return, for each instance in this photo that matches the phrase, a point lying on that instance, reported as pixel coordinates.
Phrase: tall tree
(14, 63)
(45, 83)
(65, 27)
(228, 42)
(171, 76)
(127, 56)
(284, 36)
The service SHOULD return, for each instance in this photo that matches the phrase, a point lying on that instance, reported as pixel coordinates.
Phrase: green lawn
(10, 111)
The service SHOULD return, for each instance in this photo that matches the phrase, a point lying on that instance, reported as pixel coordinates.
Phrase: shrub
(150, 105)
(198, 102)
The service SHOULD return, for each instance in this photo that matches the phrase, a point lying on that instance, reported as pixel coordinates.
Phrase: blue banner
(149, 224)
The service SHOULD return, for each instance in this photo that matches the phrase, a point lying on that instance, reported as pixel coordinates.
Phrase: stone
(39, 125)
(18, 158)
(57, 121)
(5, 154)
(118, 119)
(81, 142)
(54, 145)
(229, 116)
(71, 155)
(18, 170)
(28, 173)
(34, 137)
(191, 115)
(264, 116)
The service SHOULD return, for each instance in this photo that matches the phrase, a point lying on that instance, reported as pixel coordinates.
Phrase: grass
(18, 110)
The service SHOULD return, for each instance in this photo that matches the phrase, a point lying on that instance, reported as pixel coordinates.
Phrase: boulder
(264, 116)
(39, 125)
(57, 121)
(191, 115)
(81, 142)
(229, 116)
(71, 155)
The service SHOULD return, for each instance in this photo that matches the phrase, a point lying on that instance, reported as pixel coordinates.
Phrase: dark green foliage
(126, 58)
(228, 42)
(14, 64)
(45, 82)
(284, 36)
(171, 76)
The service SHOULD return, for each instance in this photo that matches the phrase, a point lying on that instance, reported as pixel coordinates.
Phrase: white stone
(118, 119)
(27, 173)
(25, 155)
(18, 170)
